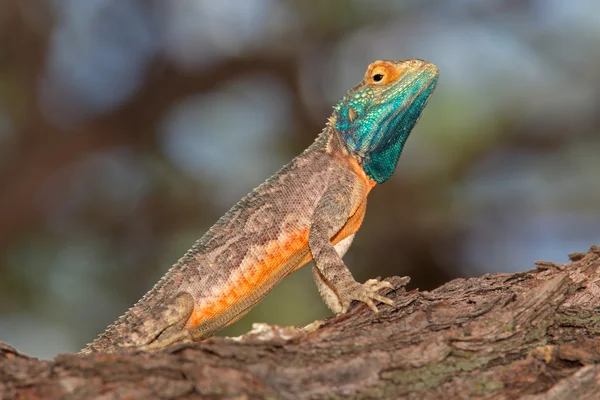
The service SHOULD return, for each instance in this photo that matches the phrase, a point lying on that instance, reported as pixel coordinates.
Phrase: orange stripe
(276, 253)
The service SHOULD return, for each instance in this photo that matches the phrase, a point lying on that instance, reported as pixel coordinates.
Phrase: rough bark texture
(530, 335)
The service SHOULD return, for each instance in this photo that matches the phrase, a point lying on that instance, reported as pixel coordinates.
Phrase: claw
(385, 300)
(371, 305)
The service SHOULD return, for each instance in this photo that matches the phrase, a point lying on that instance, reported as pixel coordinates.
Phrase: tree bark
(529, 335)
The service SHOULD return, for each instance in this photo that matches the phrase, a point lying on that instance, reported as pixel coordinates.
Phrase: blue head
(375, 118)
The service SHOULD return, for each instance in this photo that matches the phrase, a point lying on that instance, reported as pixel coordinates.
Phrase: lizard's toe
(376, 284)
(367, 293)
(384, 300)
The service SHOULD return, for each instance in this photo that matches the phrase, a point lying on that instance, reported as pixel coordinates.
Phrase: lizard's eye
(381, 73)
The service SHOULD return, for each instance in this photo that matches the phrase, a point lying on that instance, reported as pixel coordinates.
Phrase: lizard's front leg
(334, 280)
(325, 290)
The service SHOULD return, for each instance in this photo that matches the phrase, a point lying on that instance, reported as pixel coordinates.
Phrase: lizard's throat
(379, 162)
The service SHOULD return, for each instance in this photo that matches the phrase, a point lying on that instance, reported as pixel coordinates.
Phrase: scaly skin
(309, 210)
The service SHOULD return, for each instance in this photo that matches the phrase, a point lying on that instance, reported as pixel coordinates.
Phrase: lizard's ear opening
(352, 114)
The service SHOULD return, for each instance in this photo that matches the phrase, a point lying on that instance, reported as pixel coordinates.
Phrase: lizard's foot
(366, 293)
(183, 336)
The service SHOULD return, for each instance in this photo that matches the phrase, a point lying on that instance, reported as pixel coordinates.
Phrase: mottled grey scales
(309, 210)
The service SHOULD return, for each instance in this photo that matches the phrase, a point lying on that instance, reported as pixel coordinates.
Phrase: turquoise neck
(379, 138)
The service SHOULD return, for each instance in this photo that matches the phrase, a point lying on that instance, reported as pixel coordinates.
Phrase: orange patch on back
(277, 254)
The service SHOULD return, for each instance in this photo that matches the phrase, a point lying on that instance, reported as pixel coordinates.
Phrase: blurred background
(127, 127)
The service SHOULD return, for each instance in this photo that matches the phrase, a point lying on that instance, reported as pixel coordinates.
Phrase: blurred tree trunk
(532, 335)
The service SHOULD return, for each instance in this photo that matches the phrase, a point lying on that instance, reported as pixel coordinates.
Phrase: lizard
(310, 210)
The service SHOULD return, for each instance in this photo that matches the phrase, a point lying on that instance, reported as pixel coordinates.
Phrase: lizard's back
(259, 241)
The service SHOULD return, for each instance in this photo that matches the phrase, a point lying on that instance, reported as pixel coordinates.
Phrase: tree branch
(531, 335)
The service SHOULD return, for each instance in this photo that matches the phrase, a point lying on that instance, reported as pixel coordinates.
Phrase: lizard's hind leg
(166, 323)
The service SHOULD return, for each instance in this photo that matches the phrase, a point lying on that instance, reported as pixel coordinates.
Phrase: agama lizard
(309, 210)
